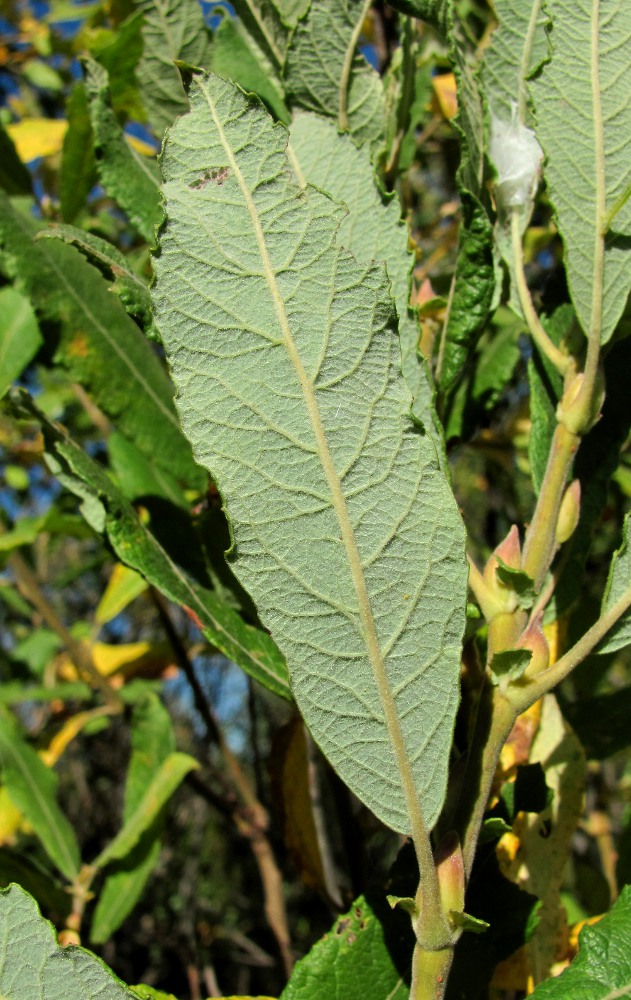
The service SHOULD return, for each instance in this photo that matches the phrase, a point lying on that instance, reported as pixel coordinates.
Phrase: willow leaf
(372, 230)
(584, 127)
(326, 73)
(519, 47)
(618, 584)
(285, 353)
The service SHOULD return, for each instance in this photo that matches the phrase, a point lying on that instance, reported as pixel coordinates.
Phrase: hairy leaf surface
(584, 127)
(326, 73)
(519, 46)
(372, 230)
(33, 966)
(286, 357)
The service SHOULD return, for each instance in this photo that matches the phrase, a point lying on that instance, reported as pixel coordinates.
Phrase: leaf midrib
(391, 717)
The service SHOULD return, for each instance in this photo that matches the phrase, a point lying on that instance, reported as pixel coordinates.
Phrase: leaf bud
(450, 873)
(499, 598)
(569, 512)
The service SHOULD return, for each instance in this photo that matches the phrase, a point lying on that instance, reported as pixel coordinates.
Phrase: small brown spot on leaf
(216, 176)
(342, 925)
(79, 346)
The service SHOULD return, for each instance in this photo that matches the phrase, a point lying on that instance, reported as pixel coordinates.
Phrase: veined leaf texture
(285, 353)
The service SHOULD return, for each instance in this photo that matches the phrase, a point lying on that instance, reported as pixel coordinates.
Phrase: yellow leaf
(123, 586)
(10, 818)
(444, 87)
(36, 137)
(129, 659)
(70, 729)
(144, 148)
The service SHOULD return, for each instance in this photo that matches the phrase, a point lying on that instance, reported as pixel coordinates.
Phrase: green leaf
(602, 968)
(262, 21)
(19, 336)
(173, 30)
(498, 356)
(138, 477)
(32, 787)
(325, 72)
(133, 292)
(15, 694)
(434, 12)
(468, 923)
(153, 741)
(509, 665)
(135, 545)
(127, 176)
(119, 52)
(14, 176)
(33, 966)
(158, 791)
(351, 962)
(345, 530)
(546, 389)
(99, 344)
(584, 127)
(618, 584)
(78, 165)
(291, 11)
(237, 57)
(517, 581)
(372, 230)
(518, 48)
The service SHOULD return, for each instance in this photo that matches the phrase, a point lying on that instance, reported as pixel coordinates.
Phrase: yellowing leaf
(129, 659)
(70, 729)
(11, 819)
(144, 148)
(123, 586)
(444, 87)
(35, 137)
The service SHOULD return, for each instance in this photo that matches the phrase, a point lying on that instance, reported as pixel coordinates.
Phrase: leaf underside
(286, 359)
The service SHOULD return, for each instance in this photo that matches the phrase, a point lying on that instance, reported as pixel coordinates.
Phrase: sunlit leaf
(35, 137)
(19, 336)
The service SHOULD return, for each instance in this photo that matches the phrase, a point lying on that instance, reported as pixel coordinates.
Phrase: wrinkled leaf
(99, 344)
(173, 30)
(19, 336)
(33, 966)
(345, 531)
(579, 112)
(602, 968)
(262, 21)
(32, 787)
(325, 72)
(131, 179)
(371, 230)
(518, 48)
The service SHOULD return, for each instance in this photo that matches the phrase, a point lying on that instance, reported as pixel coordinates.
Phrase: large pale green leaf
(584, 126)
(131, 179)
(152, 741)
(33, 966)
(618, 584)
(351, 962)
(107, 509)
(286, 357)
(19, 336)
(173, 30)
(32, 787)
(602, 968)
(326, 73)
(371, 230)
(98, 343)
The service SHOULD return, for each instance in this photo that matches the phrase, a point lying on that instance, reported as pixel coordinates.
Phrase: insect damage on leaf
(217, 175)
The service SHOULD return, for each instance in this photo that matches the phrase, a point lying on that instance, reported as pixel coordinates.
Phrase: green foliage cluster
(321, 412)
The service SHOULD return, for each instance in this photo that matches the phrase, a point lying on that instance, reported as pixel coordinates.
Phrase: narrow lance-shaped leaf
(33, 965)
(19, 336)
(326, 73)
(165, 780)
(107, 509)
(131, 179)
(97, 342)
(372, 230)
(286, 357)
(153, 740)
(584, 127)
(32, 787)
